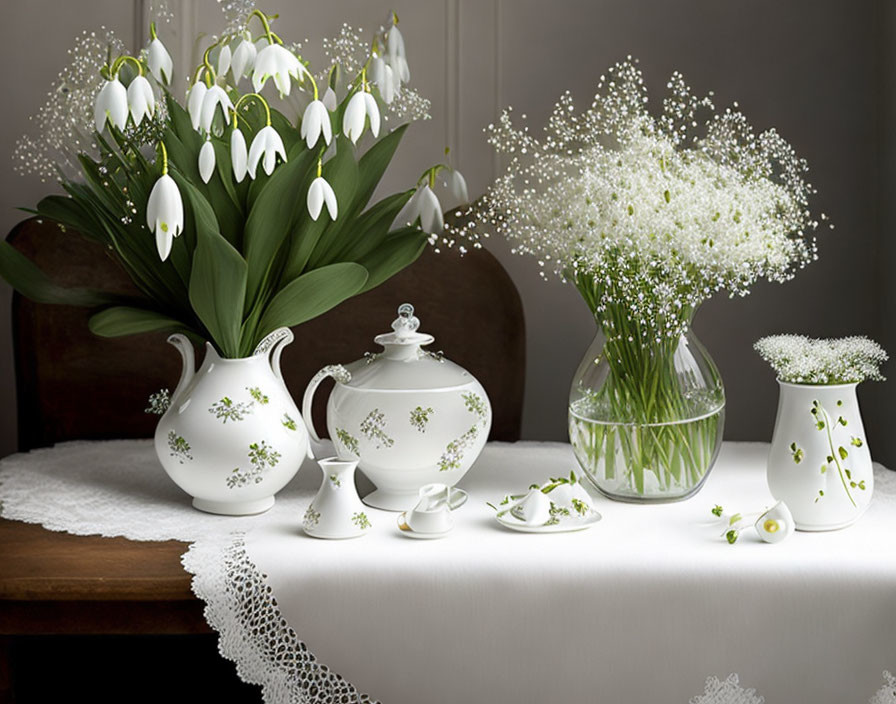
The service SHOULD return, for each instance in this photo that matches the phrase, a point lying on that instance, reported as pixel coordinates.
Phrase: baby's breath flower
(653, 215)
(802, 360)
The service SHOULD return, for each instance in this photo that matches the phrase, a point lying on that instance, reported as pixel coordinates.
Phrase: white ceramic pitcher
(232, 436)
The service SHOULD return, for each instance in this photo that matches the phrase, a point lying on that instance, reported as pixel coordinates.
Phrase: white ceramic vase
(337, 512)
(232, 436)
(819, 463)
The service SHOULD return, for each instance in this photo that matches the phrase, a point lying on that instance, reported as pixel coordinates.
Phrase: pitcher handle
(188, 368)
(273, 344)
(340, 374)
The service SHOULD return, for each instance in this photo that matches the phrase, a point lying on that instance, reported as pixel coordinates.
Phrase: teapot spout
(185, 347)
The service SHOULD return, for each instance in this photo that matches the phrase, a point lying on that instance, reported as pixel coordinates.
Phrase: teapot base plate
(391, 500)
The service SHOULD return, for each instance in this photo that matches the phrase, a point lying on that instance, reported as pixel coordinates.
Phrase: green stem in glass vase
(647, 427)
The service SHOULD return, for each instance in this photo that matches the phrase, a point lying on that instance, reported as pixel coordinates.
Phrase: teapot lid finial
(404, 332)
(406, 323)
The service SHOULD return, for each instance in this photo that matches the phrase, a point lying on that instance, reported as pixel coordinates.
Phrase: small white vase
(337, 512)
(819, 463)
(232, 436)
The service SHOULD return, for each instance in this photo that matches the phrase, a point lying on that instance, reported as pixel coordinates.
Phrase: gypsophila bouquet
(797, 359)
(650, 216)
(231, 218)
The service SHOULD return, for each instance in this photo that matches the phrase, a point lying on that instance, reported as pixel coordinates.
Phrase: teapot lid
(404, 331)
(402, 365)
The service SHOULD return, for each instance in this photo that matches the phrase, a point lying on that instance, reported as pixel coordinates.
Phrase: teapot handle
(340, 374)
(273, 344)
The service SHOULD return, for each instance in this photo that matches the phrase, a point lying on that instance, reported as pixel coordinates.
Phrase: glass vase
(646, 418)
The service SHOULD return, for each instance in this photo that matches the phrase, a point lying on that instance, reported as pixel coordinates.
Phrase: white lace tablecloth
(640, 608)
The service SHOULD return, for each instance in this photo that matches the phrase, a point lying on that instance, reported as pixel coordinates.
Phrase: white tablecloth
(640, 608)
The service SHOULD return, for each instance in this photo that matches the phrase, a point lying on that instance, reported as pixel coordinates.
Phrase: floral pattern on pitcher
(837, 456)
(262, 457)
(179, 447)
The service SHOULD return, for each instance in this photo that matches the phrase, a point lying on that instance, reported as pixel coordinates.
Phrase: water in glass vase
(646, 421)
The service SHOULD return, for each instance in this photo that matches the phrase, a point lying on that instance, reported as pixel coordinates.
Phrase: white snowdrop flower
(141, 99)
(243, 59)
(431, 219)
(362, 105)
(389, 86)
(160, 64)
(277, 62)
(224, 60)
(377, 69)
(207, 161)
(457, 186)
(330, 100)
(165, 214)
(321, 192)
(215, 98)
(267, 144)
(111, 104)
(316, 122)
(397, 57)
(194, 102)
(239, 156)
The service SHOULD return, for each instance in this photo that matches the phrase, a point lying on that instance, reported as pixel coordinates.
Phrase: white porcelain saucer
(566, 524)
(406, 530)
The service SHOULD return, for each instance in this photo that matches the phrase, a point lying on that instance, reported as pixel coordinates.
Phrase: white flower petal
(373, 112)
(238, 155)
(267, 144)
(387, 85)
(194, 102)
(329, 99)
(112, 105)
(165, 213)
(224, 59)
(243, 59)
(141, 100)
(207, 161)
(395, 42)
(377, 70)
(330, 200)
(216, 97)
(457, 186)
(315, 199)
(353, 118)
(159, 60)
(431, 219)
(411, 210)
(316, 122)
(277, 62)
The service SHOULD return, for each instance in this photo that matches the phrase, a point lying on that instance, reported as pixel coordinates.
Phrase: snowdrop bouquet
(230, 219)
(802, 360)
(648, 216)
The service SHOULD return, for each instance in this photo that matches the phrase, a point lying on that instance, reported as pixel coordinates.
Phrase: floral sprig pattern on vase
(648, 216)
(798, 359)
(210, 230)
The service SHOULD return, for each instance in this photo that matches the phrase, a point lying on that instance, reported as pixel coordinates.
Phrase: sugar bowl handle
(340, 374)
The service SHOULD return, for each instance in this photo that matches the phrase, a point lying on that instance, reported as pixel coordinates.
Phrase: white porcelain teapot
(410, 416)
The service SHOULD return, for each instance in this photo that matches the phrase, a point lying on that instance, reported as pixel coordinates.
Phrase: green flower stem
(650, 428)
(272, 38)
(835, 453)
(120, 61)
(264, 104)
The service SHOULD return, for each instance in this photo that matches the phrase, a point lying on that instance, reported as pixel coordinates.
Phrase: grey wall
(816, 70)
